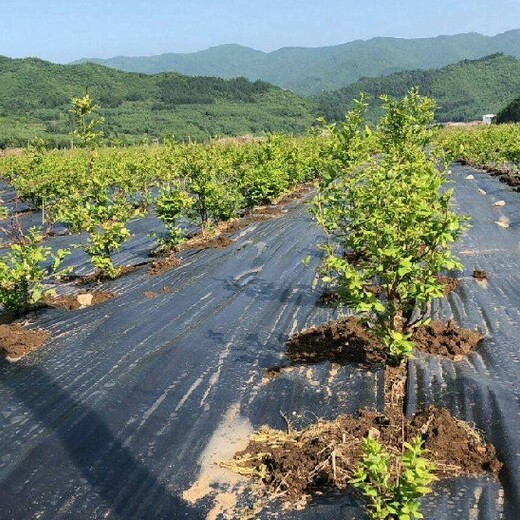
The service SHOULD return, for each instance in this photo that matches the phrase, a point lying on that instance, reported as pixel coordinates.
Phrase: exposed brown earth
(446, 339)
(450, 283)
(479, 274)
(86, 299)
(299, 464)
(17, 341)
(151, 294)
(348, 341)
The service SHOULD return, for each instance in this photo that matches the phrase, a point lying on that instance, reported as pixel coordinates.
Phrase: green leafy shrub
(215, 196)
(24, 268)
(171, 203)
(388, 210)
(393, 488)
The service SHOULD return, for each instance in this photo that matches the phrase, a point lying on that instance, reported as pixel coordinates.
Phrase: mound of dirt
(17, 341)
(449, 283)
(348, 341)
(342, 341)
(163, 264)
(454, 446)
(152, 294)
(446, 339)
(86, 299)
(323, 457)
(329, 297)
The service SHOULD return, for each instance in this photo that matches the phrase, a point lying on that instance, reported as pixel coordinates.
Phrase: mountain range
(463, 91)
(313, 70)
(35, 97)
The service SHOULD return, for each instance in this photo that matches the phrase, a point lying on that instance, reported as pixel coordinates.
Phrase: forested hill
(510, 113)
(314, 70)
(464, 91)
(35, 94)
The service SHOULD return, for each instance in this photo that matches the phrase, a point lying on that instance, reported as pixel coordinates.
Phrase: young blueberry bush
(24, 269)
(393, 488)
(173, 201)
(389, 221)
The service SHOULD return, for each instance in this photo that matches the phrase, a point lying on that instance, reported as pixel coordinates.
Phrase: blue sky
(63, 30)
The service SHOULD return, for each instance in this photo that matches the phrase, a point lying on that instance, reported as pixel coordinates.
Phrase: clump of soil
(17, 341)
(99, 276)
(273, 372)
(79, 301)
(446, 339)
(342, 341)
(449, 282)
(218, 242)
(348, 341)
(163, 264)
(329, 297)
(323, 457)
(270, 211)
(152, 294)
(454, 446)
(479, 274)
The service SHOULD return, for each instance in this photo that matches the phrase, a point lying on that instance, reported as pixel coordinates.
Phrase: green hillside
(464, 91)
(35, 94)
(314, 70)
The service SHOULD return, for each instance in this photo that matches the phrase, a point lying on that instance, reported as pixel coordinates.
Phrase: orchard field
(293, 326)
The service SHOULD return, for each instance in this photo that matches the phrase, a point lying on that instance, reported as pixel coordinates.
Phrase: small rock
(500, 203)
(85, 300)
(481, 191)
(470, 177)
(502, 224)
(374, 433)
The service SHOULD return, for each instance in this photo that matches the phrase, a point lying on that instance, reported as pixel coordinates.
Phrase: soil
(506, 175)
(329, 297)
(450, 283)
(74, 302)
(97, 277)
(342, 341)
(266, 211)
(454, 446)
(479, 274)
(152, 294)
(348, 341)
(446, 339)
(323, 457)
(17, 341)
(163, 264)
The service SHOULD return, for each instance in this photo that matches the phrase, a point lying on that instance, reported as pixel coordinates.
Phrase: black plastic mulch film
(115, 416)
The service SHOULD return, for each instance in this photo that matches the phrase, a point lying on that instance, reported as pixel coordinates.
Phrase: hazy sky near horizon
(64, 30)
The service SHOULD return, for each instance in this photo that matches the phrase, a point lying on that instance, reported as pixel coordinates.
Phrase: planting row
(98, 191)
(389, 225)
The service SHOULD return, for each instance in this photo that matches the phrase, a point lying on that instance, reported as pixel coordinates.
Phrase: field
(292, 326)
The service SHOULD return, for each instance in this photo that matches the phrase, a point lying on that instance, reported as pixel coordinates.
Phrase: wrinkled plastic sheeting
(114, 417)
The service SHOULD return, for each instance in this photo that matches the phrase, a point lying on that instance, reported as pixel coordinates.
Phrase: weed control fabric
(128, 409)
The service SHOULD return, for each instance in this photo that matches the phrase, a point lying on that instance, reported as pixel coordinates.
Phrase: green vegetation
(496, 146)
(314, 70)
(389, 496)
(24, 268)
(464, 91)
(510, 113)
(98, 190)
(34, 97)
(384, 207)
